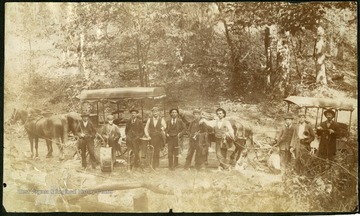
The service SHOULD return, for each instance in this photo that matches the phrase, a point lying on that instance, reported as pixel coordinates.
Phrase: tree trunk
(340, 51)
(319, 55)
(271, 39)
(283, 63)
(141, 72)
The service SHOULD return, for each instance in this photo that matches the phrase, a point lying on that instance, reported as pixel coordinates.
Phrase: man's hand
(82, 135)
(331, 131)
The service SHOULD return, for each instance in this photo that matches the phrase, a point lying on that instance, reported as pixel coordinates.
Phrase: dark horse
(48, 128)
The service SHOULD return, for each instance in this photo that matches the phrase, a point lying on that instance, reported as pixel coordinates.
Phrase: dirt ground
(193, 191)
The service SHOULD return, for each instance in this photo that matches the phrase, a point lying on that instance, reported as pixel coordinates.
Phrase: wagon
(321, 104)
(118, 101)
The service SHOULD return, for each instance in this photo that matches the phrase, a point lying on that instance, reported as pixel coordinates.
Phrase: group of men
(293, 140)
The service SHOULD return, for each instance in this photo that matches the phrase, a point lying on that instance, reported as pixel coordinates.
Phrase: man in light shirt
(154, 128)
(305, 135)
(224, 136)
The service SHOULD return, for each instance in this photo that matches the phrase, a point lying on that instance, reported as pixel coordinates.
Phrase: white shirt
(301, 130)
(85, 123)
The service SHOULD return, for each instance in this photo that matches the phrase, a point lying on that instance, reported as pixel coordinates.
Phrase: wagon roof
(121, 93)
(310, 102)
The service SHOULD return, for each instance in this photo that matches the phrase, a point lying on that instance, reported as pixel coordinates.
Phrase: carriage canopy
(122, 93)
(308, 102)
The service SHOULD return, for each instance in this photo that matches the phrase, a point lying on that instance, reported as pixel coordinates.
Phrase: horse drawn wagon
(118, 102)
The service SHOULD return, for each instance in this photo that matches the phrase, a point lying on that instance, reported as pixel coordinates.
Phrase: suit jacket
(111, 132)
(180, 127)
(134, 130)
(89, 130)
(296, 142)
(327, 145)
(287, 140)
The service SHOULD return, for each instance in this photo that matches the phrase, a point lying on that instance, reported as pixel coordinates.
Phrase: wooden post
(141, 201)
(322, 113)
(117, 106)
(317, 114)
(142, 110)
(97, 112)
(350, 122)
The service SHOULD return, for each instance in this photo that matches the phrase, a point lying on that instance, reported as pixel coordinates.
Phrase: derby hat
(174, 109)
(155, 109)
(288, 116)
(221, 109)
(329, 111)
(302, 114)
(84, 114)
(134, 110)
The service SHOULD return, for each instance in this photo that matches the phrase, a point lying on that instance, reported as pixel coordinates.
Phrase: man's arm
(183, 128)
(163, 124)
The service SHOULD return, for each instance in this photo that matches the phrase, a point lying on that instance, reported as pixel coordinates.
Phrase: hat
(301, 114)
(85, 114)
(221, 109)
(196, 111)
(288, 116)
(134, 110)
(329, 111)
(110, 117)
(155, 109)
(174, 109)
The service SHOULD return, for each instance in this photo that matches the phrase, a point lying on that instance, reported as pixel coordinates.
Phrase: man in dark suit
(86, 133)
(134, 130)
(175, 128)
(328, 132)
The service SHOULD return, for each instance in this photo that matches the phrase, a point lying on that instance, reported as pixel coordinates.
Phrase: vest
(173, 129)
(219, 132)
(155, 130)
(286, 138)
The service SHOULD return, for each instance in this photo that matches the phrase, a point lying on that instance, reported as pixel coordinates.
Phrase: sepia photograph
(166, 107)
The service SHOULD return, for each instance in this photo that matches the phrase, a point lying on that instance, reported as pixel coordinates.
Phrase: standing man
(174, 131)
(198, 141)
(328, 132)
(305, 135)
(111, 134)
(154, 128)
(285, 141)
(134, 130)
(224, 136)
(86, 133)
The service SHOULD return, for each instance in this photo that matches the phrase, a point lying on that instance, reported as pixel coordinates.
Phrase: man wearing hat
(224, 136)
(154, 128)
(328, 132)
(305, 135)
(285, 142)
(198, 142)
(175, 128)
(111, 134)
(86, 133)
(134, 130)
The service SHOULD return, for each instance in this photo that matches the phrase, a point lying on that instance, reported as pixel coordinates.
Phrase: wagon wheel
(99, 141)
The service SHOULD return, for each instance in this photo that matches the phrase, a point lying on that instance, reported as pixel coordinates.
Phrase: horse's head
(18, 114)
(73, 120)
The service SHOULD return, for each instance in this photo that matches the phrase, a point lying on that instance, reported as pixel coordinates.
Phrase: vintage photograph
(181, 107)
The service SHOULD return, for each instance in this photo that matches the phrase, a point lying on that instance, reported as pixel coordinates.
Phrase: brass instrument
(196, 135)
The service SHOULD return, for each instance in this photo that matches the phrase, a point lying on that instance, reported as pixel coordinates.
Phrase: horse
(48, 128)
(22, 114)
